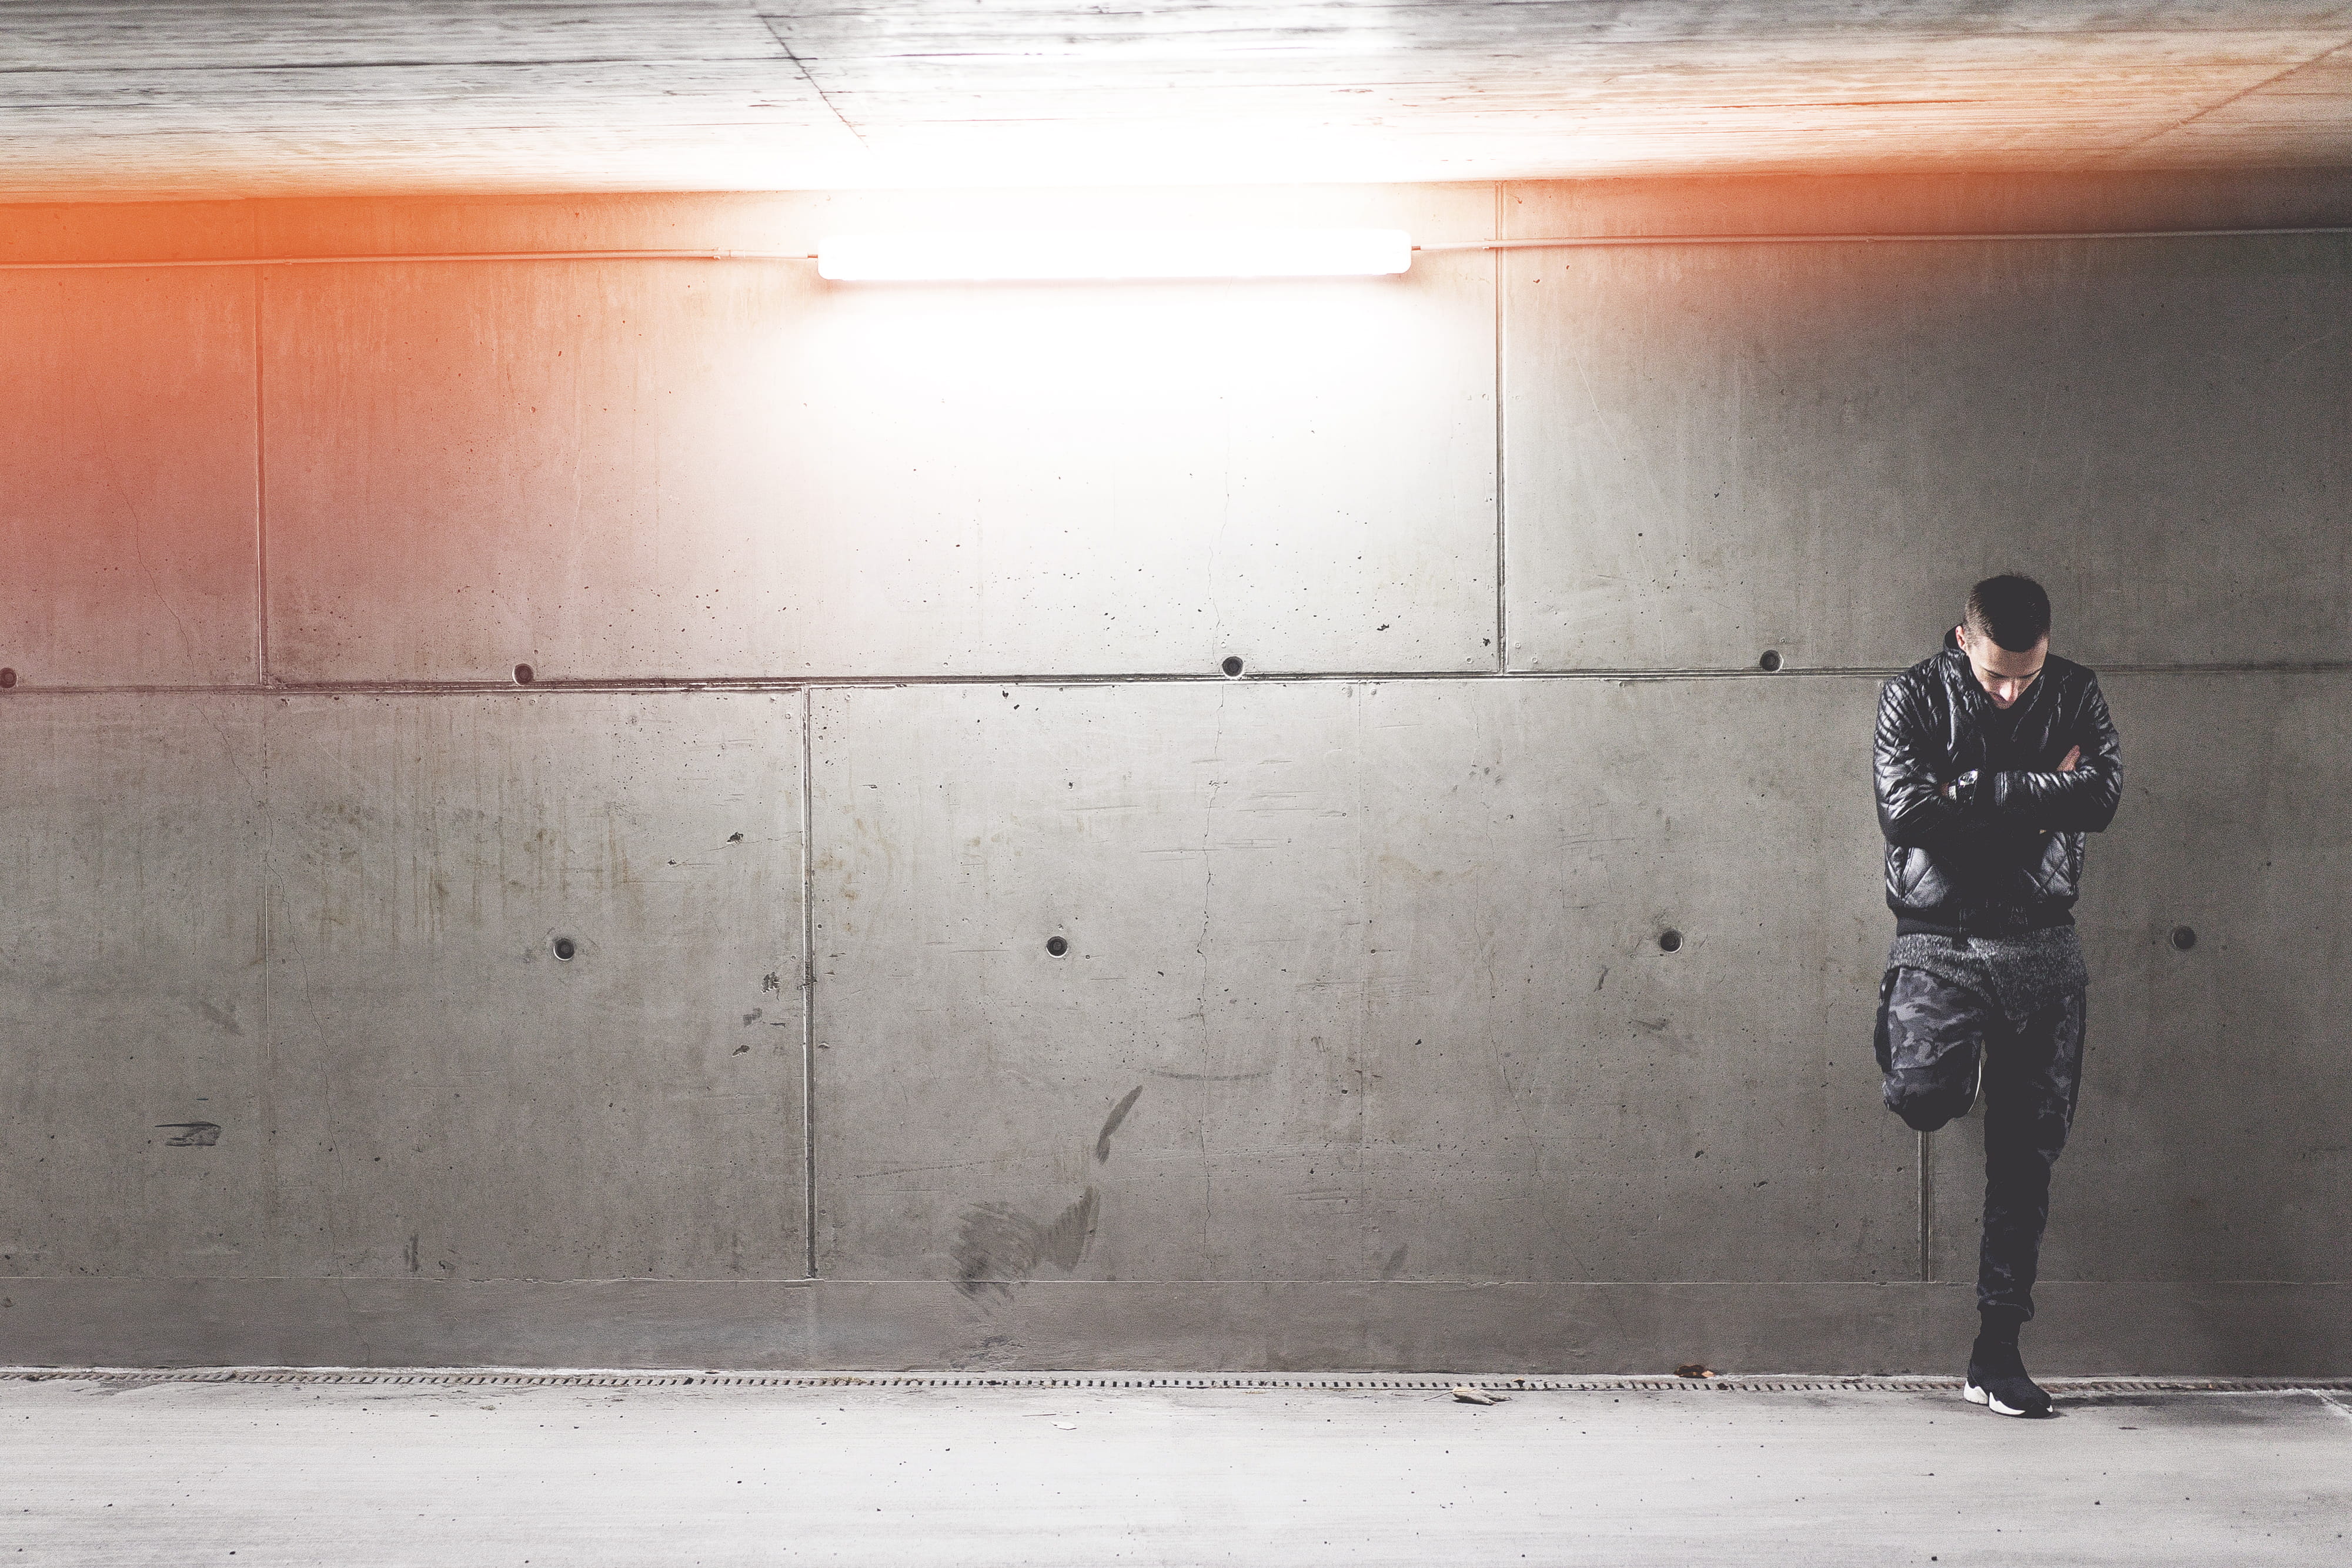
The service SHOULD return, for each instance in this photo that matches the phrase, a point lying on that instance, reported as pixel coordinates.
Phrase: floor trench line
(2334, 1392)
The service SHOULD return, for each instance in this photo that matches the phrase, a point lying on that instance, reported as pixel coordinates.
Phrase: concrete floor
(93, 1471)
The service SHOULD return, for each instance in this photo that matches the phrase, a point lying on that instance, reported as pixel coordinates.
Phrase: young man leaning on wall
(1993, 759)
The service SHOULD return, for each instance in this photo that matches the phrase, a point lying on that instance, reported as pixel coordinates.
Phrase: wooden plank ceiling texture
(214, 97)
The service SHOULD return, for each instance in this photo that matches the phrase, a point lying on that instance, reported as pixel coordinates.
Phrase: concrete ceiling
(104, 100)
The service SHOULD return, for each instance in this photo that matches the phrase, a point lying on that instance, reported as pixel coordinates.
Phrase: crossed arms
(1920, 807)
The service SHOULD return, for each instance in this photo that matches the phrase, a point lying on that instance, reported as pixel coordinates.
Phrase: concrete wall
(878, 638)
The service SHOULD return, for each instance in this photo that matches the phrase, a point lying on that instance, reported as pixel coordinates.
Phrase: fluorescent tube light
(1051, 255)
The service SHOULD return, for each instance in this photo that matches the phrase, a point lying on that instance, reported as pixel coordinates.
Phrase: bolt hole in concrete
(1670, 941)
(1770, 661)
(8, 678)
(525, 674)
(2183, 938)
(1233, 666)
(564, 948)
(1056, 946)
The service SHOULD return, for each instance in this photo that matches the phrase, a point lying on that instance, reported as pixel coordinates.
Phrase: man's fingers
(2072, 758)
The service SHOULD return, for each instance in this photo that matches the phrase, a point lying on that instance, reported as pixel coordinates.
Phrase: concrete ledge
(2176, 1328)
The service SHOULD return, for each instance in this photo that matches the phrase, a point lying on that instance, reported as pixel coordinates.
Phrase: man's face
(2005, 674)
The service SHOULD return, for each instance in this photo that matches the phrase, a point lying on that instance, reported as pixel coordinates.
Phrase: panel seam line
(808, 978)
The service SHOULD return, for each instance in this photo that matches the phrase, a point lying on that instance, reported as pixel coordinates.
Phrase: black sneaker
(1997, 1380)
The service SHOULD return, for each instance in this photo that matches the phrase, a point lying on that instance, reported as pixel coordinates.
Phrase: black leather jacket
(2005, 855)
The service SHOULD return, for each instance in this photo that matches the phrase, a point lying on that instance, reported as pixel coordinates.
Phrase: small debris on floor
(1693, 1369)
(1469, 1395)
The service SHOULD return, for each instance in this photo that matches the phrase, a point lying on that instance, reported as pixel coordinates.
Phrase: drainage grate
(1358, 1382)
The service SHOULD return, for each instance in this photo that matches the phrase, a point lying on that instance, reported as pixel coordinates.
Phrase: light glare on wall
(1052, 254)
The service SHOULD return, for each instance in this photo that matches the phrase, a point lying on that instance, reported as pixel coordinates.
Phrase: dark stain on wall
(996, 1244)
(1118, 1113)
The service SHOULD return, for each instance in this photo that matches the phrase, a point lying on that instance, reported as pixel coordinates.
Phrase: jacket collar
(1962, 679)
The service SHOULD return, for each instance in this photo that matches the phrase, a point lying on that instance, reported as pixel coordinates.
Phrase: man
(1993, 759)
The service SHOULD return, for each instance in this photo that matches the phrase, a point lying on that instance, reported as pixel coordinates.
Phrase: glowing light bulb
(1071, 255)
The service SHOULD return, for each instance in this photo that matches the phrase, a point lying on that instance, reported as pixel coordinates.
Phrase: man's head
(2005, 632)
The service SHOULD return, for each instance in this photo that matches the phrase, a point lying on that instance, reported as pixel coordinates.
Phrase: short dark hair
(2010, 609)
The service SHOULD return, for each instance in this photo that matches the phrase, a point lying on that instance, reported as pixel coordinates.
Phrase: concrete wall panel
(456, 1100)
(1363, 982)
(1632, 1113)
(127, 498)
(1718, 450)
(2210, 1141)
(135, 1091)
(690, 470)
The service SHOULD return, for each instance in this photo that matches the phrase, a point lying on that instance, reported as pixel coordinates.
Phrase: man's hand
(2065, 765)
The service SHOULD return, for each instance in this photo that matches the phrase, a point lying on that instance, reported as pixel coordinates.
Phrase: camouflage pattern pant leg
(2033, 1077)
(1932, 1039)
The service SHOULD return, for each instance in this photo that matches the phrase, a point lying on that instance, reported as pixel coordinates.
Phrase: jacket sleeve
(2082, 801)
(1912, 810)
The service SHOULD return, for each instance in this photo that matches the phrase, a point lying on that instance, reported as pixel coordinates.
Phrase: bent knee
(1923, 1104)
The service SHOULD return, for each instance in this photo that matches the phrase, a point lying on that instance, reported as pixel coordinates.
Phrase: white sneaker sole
(1976, 1395)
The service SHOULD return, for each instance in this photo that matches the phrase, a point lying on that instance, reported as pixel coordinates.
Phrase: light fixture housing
(1004, 256)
